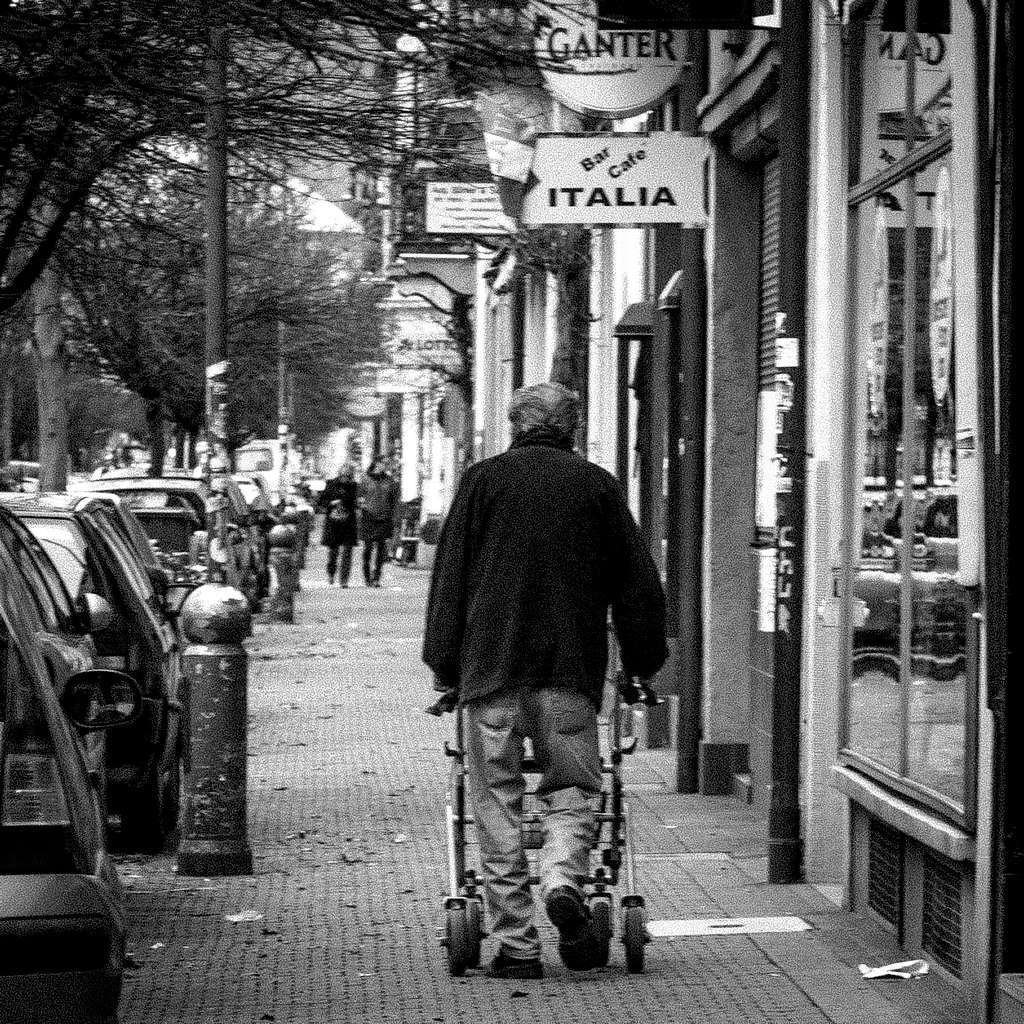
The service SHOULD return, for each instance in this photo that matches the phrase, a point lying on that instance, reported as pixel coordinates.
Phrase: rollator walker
(464, 909)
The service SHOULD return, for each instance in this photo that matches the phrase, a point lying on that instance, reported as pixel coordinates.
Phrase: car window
(54, 583)
(45, 607)
(120, 548)
(63, 542)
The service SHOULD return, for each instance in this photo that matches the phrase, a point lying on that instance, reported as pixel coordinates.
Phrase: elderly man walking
(538, 545)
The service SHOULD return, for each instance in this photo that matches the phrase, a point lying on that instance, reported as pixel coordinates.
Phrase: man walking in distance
(338, 504)
(378, 500)
(537, 546)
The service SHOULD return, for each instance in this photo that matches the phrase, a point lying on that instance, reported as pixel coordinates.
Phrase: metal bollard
(284, 575)
(292, 517)
(215, 618)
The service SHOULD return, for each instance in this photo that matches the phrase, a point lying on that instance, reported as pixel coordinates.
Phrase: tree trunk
(157, 443)
(570, 364)
(51, 360)
(7, 358)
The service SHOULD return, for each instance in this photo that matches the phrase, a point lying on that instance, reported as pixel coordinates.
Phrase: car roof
(30, 503)
(142, 483)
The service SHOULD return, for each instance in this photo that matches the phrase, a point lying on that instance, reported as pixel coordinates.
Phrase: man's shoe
(578, 946)
(515, 968)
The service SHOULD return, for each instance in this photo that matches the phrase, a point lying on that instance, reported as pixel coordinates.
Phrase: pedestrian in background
(338, 504)
(378, 503)
(538, 545)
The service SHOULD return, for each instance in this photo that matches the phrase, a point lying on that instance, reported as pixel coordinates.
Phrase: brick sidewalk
(346, 822)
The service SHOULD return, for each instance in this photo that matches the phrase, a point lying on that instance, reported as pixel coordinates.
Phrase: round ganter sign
(604, 65)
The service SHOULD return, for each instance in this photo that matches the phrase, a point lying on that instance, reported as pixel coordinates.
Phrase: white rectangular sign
(464, 208)
(618, 179)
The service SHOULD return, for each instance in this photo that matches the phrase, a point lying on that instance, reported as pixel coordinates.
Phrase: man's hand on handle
(638, 691)
(448, 699)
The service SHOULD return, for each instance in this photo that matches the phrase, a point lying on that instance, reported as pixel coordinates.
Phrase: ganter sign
(596, 64)
(617, 179)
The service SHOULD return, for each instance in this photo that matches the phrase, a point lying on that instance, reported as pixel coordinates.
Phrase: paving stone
(343, 763)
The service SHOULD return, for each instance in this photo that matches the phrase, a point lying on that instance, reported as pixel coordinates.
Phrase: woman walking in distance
(338, 504)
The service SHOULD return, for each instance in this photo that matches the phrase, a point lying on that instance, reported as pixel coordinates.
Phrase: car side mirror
(98, 613)
(101, 698)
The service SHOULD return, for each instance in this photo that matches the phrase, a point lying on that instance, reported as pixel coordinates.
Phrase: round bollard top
(281, 536)
(289, 514)
(215, 614)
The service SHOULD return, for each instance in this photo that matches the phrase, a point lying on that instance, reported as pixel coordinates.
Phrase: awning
(636, 322)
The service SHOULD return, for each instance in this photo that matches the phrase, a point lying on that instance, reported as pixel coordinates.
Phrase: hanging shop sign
(512, 116)
(941, 306)
(617, 179)
(878, 342)
(617, 58)
(464, 208)
(599, 60)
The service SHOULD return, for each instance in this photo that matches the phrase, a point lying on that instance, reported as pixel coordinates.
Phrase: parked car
(145, 762)
(62, 916)
(148, 495)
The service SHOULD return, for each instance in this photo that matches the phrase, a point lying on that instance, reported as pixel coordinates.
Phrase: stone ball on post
(281, 536)
(215, 613)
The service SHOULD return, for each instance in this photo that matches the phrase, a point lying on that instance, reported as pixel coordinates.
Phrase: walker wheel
(634, 938)
(458, 940)
(475, 919)
(601, 916)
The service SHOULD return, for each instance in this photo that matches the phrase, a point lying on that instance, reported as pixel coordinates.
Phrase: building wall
(732, 254)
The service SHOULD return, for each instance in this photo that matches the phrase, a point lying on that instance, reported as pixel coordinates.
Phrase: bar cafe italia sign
(617, 180)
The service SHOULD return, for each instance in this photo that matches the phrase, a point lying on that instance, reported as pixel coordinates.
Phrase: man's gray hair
(549, 405)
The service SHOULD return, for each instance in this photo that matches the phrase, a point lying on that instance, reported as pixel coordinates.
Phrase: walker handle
(638, 691)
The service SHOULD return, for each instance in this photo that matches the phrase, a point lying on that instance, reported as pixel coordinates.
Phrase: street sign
(617, 179)
(464, 208)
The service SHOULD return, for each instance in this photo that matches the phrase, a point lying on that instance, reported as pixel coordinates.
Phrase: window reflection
(883, 45)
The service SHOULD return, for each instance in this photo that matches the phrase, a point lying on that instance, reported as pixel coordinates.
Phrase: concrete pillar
(733, 243)
(215, 619)
(284, 573)
(410, 482)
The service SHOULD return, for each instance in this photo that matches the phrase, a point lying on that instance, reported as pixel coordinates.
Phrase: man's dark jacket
(537, 546)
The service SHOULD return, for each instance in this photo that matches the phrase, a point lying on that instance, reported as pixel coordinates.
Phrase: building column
(731, 437)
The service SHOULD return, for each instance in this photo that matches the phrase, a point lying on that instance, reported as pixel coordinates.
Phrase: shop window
(909, 693)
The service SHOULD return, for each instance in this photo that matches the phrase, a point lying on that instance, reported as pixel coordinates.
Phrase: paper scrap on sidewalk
(725, 926)
(244, 915)
(401, 837)
(905, 969)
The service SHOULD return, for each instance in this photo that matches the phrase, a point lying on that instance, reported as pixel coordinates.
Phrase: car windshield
(65, 545)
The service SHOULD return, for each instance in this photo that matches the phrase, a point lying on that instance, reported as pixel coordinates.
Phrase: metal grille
(940, 929)
(885, 874)
(769, 282)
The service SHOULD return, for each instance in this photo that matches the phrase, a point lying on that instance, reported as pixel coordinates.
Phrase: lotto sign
(617, 179)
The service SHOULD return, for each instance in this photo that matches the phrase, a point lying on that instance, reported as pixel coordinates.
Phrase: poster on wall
(464, 208)
(878, 322)
(620, 179)
(940, 332)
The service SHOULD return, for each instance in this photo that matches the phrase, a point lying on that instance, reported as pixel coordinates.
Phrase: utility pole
(283, 416)
(784, 848)
(217, 298)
